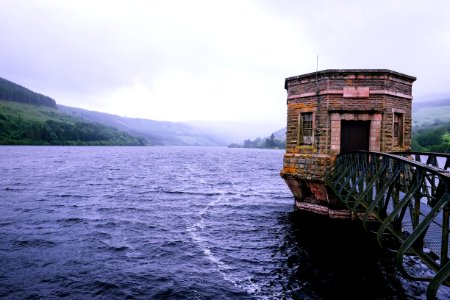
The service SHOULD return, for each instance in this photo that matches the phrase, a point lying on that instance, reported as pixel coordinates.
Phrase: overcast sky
(213, 60)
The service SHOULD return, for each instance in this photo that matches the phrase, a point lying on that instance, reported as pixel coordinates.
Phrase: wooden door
(355, 135)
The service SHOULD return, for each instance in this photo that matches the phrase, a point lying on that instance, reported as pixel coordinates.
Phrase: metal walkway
(406, 196)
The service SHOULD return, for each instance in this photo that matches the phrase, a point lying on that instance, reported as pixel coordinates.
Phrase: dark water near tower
(175, 223)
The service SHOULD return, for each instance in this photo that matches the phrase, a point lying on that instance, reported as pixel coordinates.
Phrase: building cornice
(341, 92)
(351, 74)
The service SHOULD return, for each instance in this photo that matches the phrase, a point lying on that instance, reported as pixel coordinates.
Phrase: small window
(306, 128)
(398, 130)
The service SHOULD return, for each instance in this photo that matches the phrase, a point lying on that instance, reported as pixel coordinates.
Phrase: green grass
(36, 113)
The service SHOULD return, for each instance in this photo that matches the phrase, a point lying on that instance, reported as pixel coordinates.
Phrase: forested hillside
(432, 138)
(29, 118)
(276, 140)
(26, 124)
(10, 91)
(431, 125)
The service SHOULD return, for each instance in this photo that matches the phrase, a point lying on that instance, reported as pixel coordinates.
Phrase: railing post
(396, 191)
(445, 232)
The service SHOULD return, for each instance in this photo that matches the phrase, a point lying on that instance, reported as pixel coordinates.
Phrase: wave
(192, 193)
(33, 243)
(226, 271)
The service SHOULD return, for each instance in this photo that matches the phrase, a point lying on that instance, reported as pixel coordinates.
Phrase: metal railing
(404, 198)
(439, 160)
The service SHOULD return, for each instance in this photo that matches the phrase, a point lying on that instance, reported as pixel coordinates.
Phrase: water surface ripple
(174, 223)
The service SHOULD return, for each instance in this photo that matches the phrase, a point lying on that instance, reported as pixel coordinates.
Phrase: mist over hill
(156, 132)
(191, 133)
(429, 109)
(235, 131)
(33, 119)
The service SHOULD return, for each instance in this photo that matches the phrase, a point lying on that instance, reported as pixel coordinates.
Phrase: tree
(270, 142)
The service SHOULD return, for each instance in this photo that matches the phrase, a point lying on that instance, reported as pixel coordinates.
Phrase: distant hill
(280, 134)
(276, 140)
(432, 138)
(156, 132)
(431, 124)
(10, 91)
(233, 131)
(29, 124)
(26, 118)
(30, 118)
(427, 112)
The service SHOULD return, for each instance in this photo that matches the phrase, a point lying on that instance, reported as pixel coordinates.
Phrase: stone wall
(333, 96)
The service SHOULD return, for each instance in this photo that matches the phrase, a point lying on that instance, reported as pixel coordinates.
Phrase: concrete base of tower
(313, 196)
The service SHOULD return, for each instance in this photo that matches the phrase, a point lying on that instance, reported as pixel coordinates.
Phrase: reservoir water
(175, 223)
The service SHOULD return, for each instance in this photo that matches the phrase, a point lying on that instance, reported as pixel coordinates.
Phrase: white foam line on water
(195, 230)
(245, 284)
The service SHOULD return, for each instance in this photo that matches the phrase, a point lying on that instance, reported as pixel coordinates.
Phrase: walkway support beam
(405, 198)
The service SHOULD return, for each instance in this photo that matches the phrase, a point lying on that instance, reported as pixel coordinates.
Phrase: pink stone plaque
(356, 92)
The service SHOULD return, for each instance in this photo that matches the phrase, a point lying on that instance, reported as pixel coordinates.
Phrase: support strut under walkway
(409, 200)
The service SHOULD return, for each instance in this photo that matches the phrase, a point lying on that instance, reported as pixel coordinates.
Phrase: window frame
(301, 130)
(398, 128)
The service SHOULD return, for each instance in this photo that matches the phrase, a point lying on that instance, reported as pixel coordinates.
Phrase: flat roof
(350, 71)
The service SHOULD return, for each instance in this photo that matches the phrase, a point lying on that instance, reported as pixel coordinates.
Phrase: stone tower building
(336, 111)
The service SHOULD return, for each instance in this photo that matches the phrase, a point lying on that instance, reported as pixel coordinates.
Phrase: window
(398, 130)
(305, 133)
